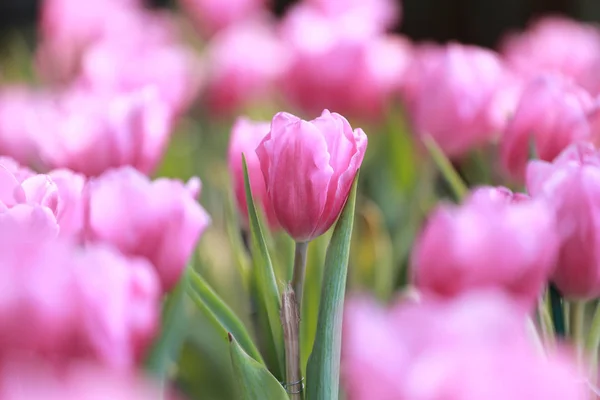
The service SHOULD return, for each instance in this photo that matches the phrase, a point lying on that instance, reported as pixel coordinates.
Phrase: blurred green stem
(593, 341)
(577, 326)
(299, 271)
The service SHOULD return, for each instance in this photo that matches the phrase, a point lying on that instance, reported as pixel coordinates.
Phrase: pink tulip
(491, 241)
(571, 184)
(560, 45)
(337, 65)
(245, 61)
(474, 347)
(552, 113)
(452, 96)
(308, 168)
(246, 135)
(212, 16)
(27, 380)
(88, 303)
(160, 221)
(379, 15)
(90, 132)
(70, 211)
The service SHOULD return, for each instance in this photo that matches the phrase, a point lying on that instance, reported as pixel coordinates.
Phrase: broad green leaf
(445, 166)
(323, 371)
(237, 244)
(167, 345)
(254, 381)
(201, 292)
(402, 157)
(264, 274)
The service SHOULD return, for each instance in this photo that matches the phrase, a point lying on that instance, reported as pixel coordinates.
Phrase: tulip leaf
(445, 166)
(263, 273)
(323, 370)
(167, 345)
(220, 313)
(254, 380)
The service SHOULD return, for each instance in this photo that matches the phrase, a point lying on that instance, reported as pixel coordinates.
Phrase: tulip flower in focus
(571, 184)
(552, 113)
(560, 45)
(452, 96)
(245, 137)
(245, 63)
(89, 303)
(212, 16)
(493, 240)
(308, 168)
(158, 220)
(90, 132)
(473, 347)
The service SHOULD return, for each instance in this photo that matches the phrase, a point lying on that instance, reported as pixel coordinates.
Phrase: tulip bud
(571, 184)
(552, 112)
(308, 168)
(245, 136)
(160, 221)
(492, 241)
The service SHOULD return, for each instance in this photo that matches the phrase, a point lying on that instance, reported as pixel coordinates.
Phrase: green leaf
(264, 274)
(220, 313)
(166, 347)
(400, 147)
(323, 371)
(254, 381)
(445, 166)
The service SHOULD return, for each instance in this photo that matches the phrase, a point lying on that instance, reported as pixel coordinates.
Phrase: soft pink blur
(245, 61)
(63, 302)
(308, 168)
(557, 44)
(494, 240)
(452, 93)
(246, 135)
(472, 348)
(340, 65)
(90, 132)
(211, 16)
(552, 113)
(159, 220)
(571, 184)
(23, 380)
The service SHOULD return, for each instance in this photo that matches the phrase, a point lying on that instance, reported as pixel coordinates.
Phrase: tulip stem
(290, 320)
(299, 272)
(593, 341)
(577, 328)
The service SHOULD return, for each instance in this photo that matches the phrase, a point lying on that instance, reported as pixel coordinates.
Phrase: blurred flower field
(212, 202)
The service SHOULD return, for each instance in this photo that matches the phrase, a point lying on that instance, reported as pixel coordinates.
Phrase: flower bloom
(452, 96)
(246, 135)
(559, 45)
(571, 184)
(473, 347)
(552, 113)
(90, 132)
(376, 15)
(308, 168)
(159, 220)
(493, 241)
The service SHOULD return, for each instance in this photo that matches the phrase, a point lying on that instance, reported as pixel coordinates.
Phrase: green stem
(546, 322)
(593, 341)
(577, 326)
(299, 271)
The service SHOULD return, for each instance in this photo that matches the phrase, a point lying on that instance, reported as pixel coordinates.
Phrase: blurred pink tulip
(552, 113)
(160, 221)
(245, 61)
(70, 211)
(88, 303)
(492, 241)
(557, 44)
(571, 184)
(212, 16)
(475, 347)
(246, 135)
(91, 132)
(308, 168)
(452, 95)
(22, 380)
(379, 15)
(341, 66)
